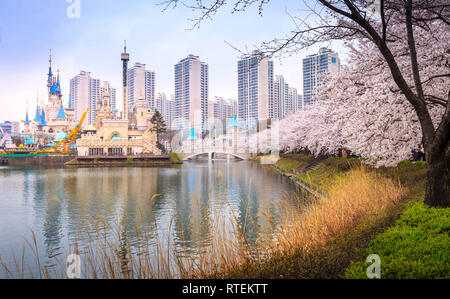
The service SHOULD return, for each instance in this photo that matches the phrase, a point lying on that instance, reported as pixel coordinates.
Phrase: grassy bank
(349, 247)
(416, 247)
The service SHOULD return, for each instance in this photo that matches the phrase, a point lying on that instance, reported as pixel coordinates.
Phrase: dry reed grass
(361, 195)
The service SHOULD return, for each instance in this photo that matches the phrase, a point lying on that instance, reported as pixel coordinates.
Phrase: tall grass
(362, 194)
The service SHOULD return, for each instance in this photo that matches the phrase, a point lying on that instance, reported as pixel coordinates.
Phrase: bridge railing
(207, 149)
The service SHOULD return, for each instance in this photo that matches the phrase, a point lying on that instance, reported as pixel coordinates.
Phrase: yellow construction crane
(71, 137)
(67, 142)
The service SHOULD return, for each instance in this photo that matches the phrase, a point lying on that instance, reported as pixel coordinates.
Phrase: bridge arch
(236, 155)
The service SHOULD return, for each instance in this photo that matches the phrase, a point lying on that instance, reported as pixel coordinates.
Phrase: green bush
(175, 158)
(404, 163)
(416, 247)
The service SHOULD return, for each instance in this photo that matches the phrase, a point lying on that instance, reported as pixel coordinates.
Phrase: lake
(177, 201)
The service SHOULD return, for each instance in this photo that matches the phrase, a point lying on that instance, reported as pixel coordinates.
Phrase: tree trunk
(438, 181)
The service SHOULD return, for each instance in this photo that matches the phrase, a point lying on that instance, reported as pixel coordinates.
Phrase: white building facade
(191, 92)
(141, 81)
(314, 67)
(255, 88)
(84, 92)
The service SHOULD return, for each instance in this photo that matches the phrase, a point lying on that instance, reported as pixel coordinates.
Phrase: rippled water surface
(57, 203)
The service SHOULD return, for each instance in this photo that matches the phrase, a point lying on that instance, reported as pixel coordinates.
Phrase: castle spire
(61, 112)
(37, 116)
(58, 83)
(42, 121)
(27, 121)
(50, 73)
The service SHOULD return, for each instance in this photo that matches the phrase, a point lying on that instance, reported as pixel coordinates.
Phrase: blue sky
(29, 28)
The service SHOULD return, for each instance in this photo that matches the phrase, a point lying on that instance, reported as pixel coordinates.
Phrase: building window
(115, 152)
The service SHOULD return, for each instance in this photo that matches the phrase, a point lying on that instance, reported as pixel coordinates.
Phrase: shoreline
(296, 180)
(45, 160)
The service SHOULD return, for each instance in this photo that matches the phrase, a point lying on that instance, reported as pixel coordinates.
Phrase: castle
(52, 118)
(127, 134)
(113, 135)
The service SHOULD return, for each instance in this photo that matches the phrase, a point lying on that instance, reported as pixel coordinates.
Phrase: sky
(93, 42)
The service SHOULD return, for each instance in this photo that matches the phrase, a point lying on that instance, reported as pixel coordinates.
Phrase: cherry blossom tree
(361, 109)
(394, 32)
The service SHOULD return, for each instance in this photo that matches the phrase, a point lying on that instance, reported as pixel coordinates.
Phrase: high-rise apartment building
(255, 87)
(170, 112)
(10, 127)
(84, 92)
(285, 98)
(140, 81)
(292, 105)
(234, 107)
(300, 102)
(191, 92)
(314, 67)
(280, 97)
(221, 109)
(167, 108)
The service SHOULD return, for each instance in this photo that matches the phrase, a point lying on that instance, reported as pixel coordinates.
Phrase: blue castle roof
(50, 74)
(54, 88)
(70, 101)
(58, 84)
(37, 117)
(61, 113)
(42, 121)
(27, 121)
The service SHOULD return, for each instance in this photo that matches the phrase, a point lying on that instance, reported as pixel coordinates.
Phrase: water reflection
(58, 204)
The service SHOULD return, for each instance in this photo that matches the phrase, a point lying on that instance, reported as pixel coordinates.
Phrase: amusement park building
(119, 135)
(51, 118)
(116, 136)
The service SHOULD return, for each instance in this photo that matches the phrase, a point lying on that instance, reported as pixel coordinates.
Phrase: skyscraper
(221, 109)
(300, 102)
(170, 112)
(255, 87)
(85, 91)
(280, 97)
(166, 107)
(292, 105)
(191, 92)
(141, 81)
(314, 67)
